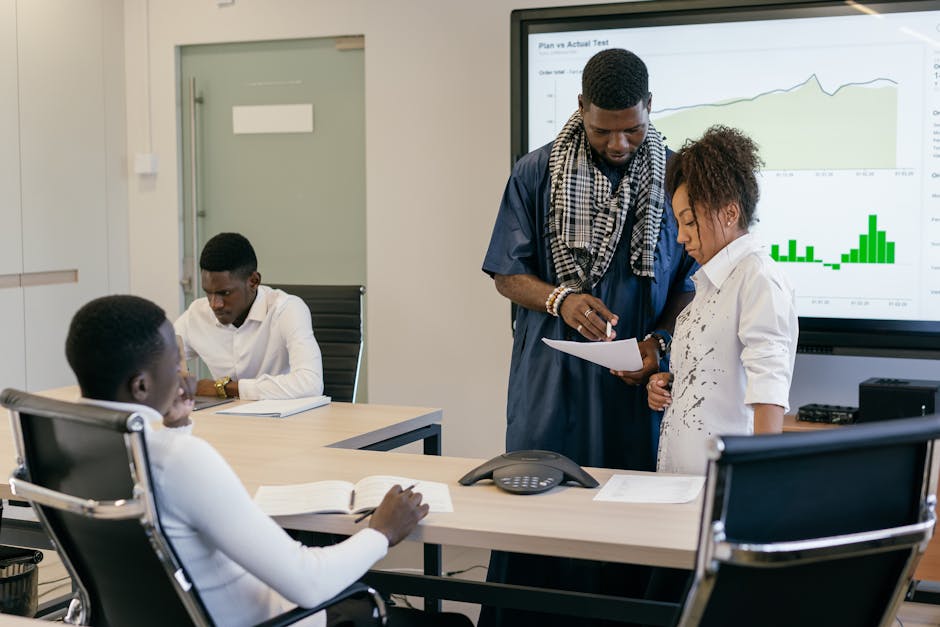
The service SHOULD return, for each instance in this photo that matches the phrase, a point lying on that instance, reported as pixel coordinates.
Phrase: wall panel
(11, 259)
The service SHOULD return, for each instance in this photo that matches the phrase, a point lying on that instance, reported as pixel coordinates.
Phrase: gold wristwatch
(220, 386)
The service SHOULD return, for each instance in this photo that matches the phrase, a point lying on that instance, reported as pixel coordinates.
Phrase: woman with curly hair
(734, 346)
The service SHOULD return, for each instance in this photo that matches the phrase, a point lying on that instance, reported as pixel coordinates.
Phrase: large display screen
(843, 99)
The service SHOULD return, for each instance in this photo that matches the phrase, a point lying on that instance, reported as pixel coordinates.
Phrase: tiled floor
(408, 557)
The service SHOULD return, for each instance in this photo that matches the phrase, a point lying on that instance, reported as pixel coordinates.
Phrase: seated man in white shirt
(256, 341)
(244, 566)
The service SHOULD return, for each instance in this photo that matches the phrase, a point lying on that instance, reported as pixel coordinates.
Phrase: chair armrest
(794, 552)
(357, 589)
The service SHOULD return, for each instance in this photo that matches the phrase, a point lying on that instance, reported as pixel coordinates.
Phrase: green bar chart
(873, 248)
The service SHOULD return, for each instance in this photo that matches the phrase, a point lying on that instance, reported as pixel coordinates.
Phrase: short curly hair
(111, 339)
(229, 252)
(719, 169)
(615, 79)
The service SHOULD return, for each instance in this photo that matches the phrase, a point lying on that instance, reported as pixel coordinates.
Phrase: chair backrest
(814, 529)
(336, 311)
(84, 469)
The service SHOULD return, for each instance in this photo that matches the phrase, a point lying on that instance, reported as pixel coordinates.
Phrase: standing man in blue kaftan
(583, 237)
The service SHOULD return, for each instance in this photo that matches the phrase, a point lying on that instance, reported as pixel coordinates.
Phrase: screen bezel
(839, 336)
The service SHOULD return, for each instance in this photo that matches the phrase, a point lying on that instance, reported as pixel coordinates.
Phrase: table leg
(432, 442)
(433, 563)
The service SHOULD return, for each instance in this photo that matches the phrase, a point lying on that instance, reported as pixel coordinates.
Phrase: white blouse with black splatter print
(734, 345)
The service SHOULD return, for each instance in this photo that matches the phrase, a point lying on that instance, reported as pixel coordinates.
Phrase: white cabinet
(11, 255)
(12, 346)
(55, 85)
(62, 137)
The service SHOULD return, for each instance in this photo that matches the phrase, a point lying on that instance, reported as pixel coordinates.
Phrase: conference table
(254, 441)
(563, 522)
(327, 443)
(340, 425)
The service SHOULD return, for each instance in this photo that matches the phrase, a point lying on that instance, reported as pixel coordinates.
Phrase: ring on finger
(588, 312)
(580, 326)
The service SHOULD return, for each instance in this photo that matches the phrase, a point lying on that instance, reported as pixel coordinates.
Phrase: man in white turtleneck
(245, 567)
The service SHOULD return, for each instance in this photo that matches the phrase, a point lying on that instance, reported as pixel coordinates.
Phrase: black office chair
(337, 325)
(84, 469)
(814, 529)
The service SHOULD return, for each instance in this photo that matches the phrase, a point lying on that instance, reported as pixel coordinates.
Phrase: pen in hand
(608, 328)
(371, 510)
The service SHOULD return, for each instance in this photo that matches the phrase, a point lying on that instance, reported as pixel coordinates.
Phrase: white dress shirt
(734, 345)
(245, 567)
(273, 354)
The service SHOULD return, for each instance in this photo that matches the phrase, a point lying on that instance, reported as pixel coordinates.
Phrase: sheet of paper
(618, 355)
(304, 498)
(650, 489)
(277, 408)
(370, 491)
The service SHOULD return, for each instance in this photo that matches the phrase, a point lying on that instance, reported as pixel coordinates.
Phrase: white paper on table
(616, 355)
(650, 489)
(277, 408)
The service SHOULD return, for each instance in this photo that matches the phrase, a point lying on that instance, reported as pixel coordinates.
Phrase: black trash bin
(19, 580)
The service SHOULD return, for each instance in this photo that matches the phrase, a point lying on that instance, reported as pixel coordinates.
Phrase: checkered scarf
(585, 220)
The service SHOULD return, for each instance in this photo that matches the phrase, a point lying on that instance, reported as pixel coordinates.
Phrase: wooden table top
(255, 440)
(564, 521)
(791, 424)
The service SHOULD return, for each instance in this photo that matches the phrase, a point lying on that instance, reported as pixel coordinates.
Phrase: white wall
(834, 379)
(437, 158)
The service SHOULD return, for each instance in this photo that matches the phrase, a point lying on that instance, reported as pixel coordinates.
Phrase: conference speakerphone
(529, 472)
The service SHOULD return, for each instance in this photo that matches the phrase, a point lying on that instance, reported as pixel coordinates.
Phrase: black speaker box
(885, 399)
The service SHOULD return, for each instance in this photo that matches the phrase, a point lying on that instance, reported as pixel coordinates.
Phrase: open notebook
(277, 408)
(344, 497)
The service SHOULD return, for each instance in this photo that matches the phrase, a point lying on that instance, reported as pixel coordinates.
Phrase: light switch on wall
(146, 163)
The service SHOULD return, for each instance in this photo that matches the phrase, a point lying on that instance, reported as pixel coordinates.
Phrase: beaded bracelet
(663, 345)
(664, 336)
(550, 301)
(556, 306)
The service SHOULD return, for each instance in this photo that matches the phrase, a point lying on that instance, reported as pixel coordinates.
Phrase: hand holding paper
(649, 356)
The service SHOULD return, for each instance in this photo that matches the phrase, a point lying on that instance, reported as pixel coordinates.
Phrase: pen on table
(371, 510)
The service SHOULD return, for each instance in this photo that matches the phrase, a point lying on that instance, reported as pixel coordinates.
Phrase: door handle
(189, 283)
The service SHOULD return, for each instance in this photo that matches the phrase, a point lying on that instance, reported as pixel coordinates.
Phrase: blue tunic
(556, 401)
